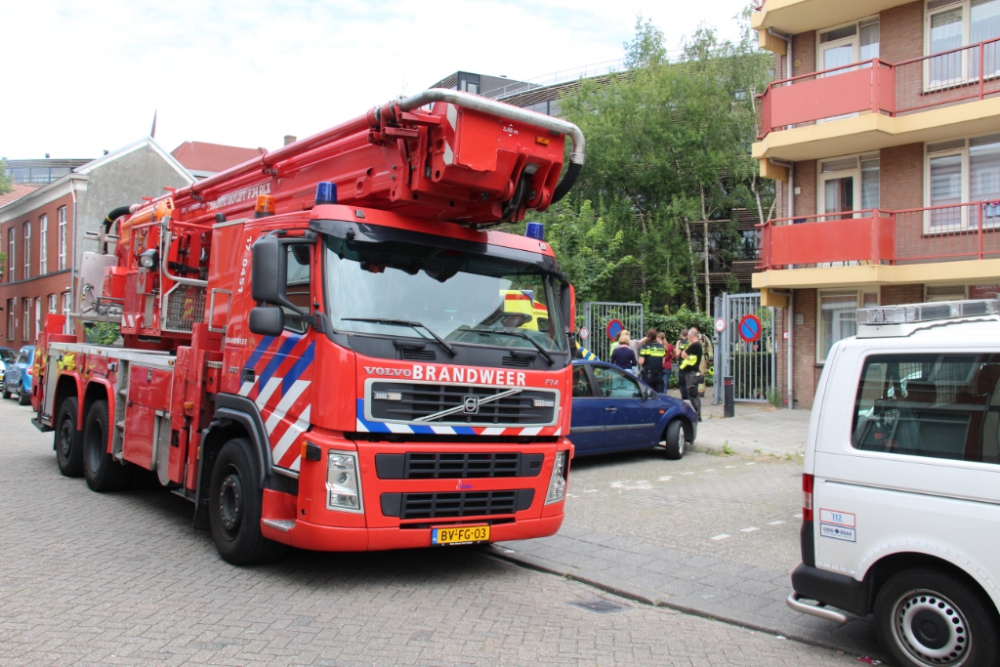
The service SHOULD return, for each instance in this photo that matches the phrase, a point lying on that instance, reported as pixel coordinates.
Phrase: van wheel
(102, 472)
(928, 618)
(674, 437)
(69, 440)
(235, 507)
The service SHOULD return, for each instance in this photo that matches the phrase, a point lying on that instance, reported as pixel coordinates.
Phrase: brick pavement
(123, 579)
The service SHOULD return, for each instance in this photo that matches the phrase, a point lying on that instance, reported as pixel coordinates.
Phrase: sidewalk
(756, 428)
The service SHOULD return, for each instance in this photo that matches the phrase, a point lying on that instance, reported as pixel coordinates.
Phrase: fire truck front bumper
(317, 537)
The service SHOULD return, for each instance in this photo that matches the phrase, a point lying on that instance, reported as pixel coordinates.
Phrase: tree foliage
(6, 183)
(668, 149)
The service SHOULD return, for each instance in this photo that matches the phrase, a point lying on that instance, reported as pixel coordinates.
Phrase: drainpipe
(791, 323)
(71, 324)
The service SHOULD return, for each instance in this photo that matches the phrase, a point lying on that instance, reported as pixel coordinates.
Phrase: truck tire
(101, 471)
(69, 440)
(234, 508)
(926, 617)
(673, 436)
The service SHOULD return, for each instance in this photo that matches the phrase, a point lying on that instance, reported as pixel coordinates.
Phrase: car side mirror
(267, 320)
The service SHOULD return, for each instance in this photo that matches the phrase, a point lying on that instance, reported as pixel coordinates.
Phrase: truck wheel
(102, 472)
(69, 440)
(234, 508)
(925, 617)
(674, 437)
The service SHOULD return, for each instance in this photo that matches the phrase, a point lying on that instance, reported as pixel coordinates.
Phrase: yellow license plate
(461, 535)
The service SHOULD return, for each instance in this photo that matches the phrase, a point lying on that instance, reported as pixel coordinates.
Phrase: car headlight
(342, 483)
(557, 482)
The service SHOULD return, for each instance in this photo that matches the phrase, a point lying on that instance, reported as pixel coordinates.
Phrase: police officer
(651, 356)
(690, 367)
(682, 344)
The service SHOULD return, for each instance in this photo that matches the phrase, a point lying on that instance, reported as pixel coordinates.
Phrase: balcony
(875, 104)
(796, 16)
(882, 246)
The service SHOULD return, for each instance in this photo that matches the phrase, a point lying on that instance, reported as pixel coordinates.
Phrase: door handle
(611, 409)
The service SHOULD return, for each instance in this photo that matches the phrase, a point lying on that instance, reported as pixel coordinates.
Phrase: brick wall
(805, 180)
(805, 371)
(896, 294)
(804, 53)
(902, 177)
(901, 32)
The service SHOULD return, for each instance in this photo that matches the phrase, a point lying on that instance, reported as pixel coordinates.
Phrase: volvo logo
(471, 404)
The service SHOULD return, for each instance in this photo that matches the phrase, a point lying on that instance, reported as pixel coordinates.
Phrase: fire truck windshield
(465, 295)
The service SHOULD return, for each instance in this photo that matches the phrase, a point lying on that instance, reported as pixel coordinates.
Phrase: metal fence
(752, 364)
(598, 315)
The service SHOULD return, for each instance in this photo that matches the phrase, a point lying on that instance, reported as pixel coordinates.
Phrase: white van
(901, 481)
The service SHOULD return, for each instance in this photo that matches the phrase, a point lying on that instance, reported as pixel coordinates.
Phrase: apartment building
(882, 132)
(42, 232)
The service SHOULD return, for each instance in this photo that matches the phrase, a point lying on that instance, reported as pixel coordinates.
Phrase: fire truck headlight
(342, 484)
(557, 482)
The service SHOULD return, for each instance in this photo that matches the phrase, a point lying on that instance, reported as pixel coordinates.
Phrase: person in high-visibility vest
(651, 357)
(690, 364)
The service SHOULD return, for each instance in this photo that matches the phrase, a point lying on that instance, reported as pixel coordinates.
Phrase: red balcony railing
(937, 233)
(967, 73)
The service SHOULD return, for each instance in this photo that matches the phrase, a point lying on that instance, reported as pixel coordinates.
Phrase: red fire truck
(318, 349)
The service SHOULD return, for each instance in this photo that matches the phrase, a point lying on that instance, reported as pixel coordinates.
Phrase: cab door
(277, 374)
(587, 429)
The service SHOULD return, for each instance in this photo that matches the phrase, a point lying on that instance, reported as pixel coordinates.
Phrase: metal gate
(597, 315)
(751, 363)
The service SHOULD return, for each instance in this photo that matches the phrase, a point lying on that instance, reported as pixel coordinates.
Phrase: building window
(66, 308)
(11, 322)
(468, 83)
(934, 293)
(960, 171)
(26, 231)
(43, 245)
(53, 305)
(837, 317)
(11, 246)
(26, 323)
(848, 44)
(848, 184)
(952, 25)
(62, 238)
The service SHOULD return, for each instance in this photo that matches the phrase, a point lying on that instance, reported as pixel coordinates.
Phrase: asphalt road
(123, 579)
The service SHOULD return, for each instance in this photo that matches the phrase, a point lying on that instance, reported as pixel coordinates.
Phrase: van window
(936, 405)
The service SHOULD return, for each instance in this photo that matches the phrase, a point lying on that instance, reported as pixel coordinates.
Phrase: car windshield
(24, 357)
(462, 296)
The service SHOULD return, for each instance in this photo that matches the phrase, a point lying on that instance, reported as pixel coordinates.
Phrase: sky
(84, 77)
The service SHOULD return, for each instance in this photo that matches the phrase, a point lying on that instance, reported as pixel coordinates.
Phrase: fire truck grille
(185, 306)
(432, 465)
(410, 402)
(133, 302)
(455, 505)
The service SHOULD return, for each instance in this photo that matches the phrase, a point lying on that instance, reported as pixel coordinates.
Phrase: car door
(588, 417)
(631, 418)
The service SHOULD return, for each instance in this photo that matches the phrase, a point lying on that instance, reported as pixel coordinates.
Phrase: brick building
(42, 232)
(882, 132)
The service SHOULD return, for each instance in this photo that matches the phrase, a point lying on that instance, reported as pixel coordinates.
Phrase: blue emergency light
(326, 193)
(535, 230)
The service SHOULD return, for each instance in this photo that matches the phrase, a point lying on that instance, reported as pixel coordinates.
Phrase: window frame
(965, 197)
(26, 324)
(11, 251)
(43, 237)
(843, 291)
(965, 77)
(614, 370)
(67, 308)
(11, 318)
(855, 38)
(26, 241)
(62, 237)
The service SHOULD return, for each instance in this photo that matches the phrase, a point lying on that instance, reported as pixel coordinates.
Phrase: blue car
(18, 380)
(614, 412)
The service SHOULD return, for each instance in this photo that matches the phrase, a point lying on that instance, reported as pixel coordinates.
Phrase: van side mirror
(267, 320)
(267, 275)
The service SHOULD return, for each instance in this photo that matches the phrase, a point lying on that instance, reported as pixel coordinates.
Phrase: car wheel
(69, 440)
(23, 399)
(6, 392)
(235, 507)
(673, 437)
(929, 618)
(100, 469)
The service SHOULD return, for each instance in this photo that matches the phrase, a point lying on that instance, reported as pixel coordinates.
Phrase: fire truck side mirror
(267, 320)
(568, 298)
(267, 276)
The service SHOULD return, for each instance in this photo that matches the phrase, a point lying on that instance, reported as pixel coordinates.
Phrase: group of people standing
(652, 359)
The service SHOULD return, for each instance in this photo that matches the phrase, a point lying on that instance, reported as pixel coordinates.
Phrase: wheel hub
(932, 629)
(231, 501)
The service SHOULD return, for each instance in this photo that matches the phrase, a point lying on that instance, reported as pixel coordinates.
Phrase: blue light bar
(535, 230)
(326, 193)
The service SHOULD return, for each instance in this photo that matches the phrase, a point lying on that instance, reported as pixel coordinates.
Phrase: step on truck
(320, 348)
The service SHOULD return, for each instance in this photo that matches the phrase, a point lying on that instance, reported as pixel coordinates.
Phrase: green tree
(668, 158)
(6, 182)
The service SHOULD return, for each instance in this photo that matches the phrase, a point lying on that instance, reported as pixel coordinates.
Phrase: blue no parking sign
(749, 328)
(614, 328)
